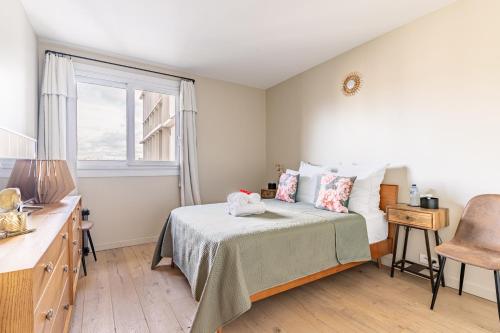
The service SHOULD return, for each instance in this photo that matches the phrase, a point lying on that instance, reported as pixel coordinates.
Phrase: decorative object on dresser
(476, 241)
(39, 271)
(267, 193)
(416, 218)
(52, 179)
(10, 199)
(12, 222)
(352, 84)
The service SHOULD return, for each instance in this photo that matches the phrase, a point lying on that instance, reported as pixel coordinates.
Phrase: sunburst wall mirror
(352, 84)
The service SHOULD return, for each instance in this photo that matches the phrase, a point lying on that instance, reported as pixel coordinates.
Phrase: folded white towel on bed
(242, 204)
(245, 210)
(243, 198)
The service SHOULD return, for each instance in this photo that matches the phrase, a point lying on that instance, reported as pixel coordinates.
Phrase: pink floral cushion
(334, 193)
(287, 188)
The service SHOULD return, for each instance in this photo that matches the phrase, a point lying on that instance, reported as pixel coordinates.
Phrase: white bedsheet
(376, 226)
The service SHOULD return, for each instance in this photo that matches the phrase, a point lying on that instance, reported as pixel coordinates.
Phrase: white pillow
(309, 173)
(365, 194)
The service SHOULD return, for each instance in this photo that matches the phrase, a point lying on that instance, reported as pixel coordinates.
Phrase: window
(154, 126)
(125, 123)
(101, 118)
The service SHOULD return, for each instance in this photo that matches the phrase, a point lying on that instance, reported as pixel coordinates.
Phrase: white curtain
(58, 91)
(190, 187)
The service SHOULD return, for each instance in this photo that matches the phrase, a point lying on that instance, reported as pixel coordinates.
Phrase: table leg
(394, 250)
(429, 259)
(440, 259)
(407, 231)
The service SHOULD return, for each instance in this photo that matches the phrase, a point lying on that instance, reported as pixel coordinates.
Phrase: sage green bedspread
(226, 259)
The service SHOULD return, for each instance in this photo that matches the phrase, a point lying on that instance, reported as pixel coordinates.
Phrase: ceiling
(258, 43)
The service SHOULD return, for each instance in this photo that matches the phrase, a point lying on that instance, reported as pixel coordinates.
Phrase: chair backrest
(480, 222)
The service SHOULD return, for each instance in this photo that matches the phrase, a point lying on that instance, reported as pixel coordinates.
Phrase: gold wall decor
(351, 84)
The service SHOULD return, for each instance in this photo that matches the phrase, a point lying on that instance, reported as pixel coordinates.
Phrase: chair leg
(83, 255)
(436, 286)
(91, 244)
(84, 266)
(497, 286)
(438, 242)
(462, 273)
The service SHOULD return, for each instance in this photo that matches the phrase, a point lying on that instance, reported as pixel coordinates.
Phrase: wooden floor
(122, 294)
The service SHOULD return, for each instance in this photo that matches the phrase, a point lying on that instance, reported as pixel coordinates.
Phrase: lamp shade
(46, 181)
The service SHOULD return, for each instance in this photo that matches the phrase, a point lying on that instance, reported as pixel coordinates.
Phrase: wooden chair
(476, 241)
(86, 226)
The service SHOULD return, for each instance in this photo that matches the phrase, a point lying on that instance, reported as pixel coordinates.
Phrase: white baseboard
(453, 282)
(130, 242)
(472, 288)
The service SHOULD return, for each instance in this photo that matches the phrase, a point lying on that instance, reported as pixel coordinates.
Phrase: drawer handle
(49, 314)
(66, 306)
(75, 269)
(65, 268)
(75, 242)
(65, 236)
(49, 267)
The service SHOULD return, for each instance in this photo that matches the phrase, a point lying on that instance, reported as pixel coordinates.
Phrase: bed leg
(379, 263)
(219, 330)
(172, 264)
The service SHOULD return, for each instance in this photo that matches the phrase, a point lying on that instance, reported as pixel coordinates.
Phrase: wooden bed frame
(388, 196)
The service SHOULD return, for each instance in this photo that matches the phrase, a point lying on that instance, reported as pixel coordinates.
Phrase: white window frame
(130, 82)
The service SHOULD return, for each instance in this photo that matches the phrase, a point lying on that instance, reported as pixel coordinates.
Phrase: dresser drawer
(45, 313)
(76, 240)
(46, 265)
(77, 255)
(417, 219)
(62, 309)
(76, 231)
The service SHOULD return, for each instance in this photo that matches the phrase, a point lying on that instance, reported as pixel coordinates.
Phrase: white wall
(231, 149)
(18, 70)
(429, 103)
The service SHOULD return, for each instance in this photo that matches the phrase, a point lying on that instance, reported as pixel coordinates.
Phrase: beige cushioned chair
(476, 242)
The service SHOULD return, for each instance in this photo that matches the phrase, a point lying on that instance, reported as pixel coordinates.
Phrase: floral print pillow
(287, 188)
(334, 192)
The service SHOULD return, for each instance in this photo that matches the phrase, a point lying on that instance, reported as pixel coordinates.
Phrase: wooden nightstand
(267, 194)
(417, 218)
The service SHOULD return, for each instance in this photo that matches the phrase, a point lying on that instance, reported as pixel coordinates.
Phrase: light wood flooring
(122, 294)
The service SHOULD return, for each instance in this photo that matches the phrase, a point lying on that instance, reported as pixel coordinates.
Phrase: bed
(231, 262)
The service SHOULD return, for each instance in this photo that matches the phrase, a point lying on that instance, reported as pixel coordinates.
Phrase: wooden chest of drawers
(39, 271)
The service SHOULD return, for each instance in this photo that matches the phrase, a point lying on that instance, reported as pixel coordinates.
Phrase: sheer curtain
(57, 93)
(190, 188)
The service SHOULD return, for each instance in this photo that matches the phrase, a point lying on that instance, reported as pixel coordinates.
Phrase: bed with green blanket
(226, 259)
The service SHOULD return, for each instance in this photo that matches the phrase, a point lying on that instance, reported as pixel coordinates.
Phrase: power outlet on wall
(423, 260)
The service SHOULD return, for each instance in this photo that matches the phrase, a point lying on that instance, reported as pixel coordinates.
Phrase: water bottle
(414, 196)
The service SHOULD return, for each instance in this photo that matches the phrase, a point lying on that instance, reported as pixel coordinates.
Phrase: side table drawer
(417, 219)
